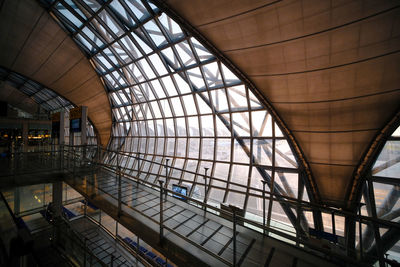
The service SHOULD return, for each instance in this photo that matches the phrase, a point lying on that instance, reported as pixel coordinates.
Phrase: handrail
(78, 240)
(304, 205)
(256, 224)
(120, 241)
(171, 230)
(94, 151)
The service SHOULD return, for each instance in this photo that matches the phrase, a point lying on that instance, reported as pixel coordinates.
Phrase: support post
(272, 186)
(378, 241)
(61, 154)
(83, 125)
(350, 230)
(360, 232)
(74, 161)
(333, 223)
(205, 186)
(138, 168)
(161, 212)
(119, 187)
(263, 199)
(234, 209)
(166, 178)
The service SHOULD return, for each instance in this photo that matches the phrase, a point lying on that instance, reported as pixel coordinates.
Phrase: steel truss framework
(381, 197)
(45, 97)
(174, 100)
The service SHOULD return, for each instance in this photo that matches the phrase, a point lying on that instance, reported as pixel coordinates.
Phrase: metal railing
(73, 245)
(76, 159)
(236, 219)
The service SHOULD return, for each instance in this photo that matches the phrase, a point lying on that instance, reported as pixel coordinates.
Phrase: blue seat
(151, 255)
(127, 240)
(69, 213)
(160, 261)
(142, 249)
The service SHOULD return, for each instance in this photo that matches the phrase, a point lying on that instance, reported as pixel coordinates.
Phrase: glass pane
(387, 164)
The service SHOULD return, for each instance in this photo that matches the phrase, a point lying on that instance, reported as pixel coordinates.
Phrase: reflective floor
(102, 245)
(186, 224)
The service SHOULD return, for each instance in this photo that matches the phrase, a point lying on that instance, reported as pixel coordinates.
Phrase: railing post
(234, 208)
(68, 157)
(263, 198)
(205, 186)
(61, 154)
(112, 260)
(166, 177)
(119, 186)
(74, 162)
(360, 232)
(119, 191)
(137, 247)
(138, 168)
(298, 226)
(161, 212)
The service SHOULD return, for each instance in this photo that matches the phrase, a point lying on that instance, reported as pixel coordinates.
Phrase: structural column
(61, 140)
(58, 186)
(83, 125)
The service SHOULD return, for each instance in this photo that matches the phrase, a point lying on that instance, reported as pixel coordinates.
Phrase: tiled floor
(253, 248)
(102, 245)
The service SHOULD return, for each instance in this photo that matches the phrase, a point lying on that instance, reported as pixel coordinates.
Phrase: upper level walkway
(191, 236)
(189, 232)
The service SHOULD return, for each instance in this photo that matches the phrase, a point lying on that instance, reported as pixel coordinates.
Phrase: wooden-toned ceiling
(330, 69)
(34, 45)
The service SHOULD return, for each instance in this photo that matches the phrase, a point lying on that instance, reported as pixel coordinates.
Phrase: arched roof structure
(172, 98)
(33, 45)
(30, 96)
(329, 69)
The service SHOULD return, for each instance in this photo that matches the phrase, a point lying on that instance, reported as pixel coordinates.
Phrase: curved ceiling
(329, 68)
(33, 45)
(16, 98)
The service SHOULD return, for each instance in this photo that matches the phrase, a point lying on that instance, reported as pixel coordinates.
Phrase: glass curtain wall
(382, 198)
(173, 99)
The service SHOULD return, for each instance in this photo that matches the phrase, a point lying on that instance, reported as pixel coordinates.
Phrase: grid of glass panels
(386, 193)
(46, 98)
(173, 99)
